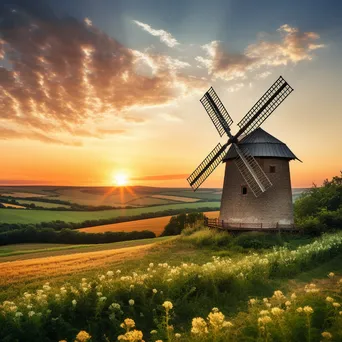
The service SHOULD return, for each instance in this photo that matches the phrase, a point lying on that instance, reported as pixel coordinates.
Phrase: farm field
(111, 196)
(44, 204)
(176, 198)
(36, 216)
(155, 225)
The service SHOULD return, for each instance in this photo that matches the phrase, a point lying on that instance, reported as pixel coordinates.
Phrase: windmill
(250, 173)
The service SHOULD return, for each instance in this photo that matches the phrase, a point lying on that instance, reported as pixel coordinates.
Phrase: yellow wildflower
(216, 320)
(167, 305)
(132, 336)
(278, 295)
(308, 310)
(326, 335)
(331, 275)
(300, 309)
(82, 336)
(336, 305)
(277, 311)
(287, 303)
(129, 323)
(227, 324)
(264, 320)
(329, 299)
(263, 312)
(177, 335)
(199, 326)
(293, 296)
(252, 301)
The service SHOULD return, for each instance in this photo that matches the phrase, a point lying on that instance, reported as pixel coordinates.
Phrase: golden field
(155, 225)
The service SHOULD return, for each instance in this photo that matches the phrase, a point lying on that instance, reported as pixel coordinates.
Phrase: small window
(272, 169)
(244, 190)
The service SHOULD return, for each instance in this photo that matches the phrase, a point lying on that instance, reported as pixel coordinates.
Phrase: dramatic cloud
(293, 47)
(60, 73)
(165, 37)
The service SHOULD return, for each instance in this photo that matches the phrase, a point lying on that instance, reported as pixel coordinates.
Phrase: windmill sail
(207, 166)
(251, 172)
(216, 111)
(273, 97)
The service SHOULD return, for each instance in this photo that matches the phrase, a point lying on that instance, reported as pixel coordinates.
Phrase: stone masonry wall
(274, 205)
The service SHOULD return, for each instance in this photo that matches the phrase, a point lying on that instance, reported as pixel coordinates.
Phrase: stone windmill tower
(257, 186)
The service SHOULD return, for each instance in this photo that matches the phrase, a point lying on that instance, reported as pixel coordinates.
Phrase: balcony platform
(250, 227)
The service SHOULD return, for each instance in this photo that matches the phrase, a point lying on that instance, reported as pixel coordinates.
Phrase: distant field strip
(177, 198)
(17, 271)
(43, 204)
(37, 216)
(9, 205)
(22, 194)
(155, 225)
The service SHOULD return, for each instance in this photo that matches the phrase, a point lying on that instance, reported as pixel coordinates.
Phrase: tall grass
(99, 305)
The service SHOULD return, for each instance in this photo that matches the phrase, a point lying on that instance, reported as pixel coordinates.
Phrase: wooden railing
(221, 224)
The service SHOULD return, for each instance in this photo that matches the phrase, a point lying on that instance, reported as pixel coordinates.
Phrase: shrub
(311, 225)
(208, 237)
(258, 240)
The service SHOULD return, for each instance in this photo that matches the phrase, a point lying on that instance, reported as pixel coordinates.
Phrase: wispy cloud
(164, 36)
(9, 134)
(291, 46)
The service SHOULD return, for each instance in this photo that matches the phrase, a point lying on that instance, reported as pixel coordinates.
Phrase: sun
(120, 179)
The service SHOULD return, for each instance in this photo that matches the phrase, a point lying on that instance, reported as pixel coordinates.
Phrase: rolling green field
(36, 216)
(111, 196)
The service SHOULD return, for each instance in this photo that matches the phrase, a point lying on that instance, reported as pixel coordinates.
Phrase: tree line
(319, 209)
(31, 234)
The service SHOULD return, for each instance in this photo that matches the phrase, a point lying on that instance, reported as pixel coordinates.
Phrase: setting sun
(120, 179)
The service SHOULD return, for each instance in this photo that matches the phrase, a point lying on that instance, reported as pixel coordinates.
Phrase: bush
(258, 240)
(179, 222)
(320, 209)
(311, 225)
(209, 237)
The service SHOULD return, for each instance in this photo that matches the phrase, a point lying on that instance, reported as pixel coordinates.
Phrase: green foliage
(179, 222)
(258, 240)
(67, 236)
(81, 219)
(208, 237)
(320, 209)
(100, 304)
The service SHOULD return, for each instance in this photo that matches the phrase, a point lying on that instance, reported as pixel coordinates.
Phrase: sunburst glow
(120, 179)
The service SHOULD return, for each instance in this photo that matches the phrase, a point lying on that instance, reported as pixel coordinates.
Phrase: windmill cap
(261, 144)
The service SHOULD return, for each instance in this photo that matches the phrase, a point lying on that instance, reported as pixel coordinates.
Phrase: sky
(93, 89)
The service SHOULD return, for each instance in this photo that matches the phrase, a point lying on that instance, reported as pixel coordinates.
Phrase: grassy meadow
(178, 289)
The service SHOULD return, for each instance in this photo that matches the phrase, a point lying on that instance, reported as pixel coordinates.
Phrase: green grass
(37, 216)
(28, 251)
(43, 204)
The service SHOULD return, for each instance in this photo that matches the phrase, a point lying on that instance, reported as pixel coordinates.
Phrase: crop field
(176, 198)
(112, 196)
(36, 216)
(155, 225)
